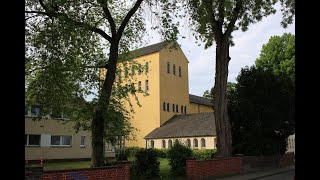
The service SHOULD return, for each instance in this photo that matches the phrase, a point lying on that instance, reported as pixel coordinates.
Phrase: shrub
(131, 151)
(204, 154)
(147, 163)
(122, 157)
(177, 158)
(162, 153)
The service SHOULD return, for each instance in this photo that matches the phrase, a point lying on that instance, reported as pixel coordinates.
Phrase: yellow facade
(164, 88)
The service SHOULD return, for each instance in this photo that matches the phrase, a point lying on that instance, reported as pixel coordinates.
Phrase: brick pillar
(126, 168)
(33, 172)
(191, 168)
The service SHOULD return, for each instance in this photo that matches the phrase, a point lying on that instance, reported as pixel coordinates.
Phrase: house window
(147, 67)
(152, 144)
(82, 141)
(185, 109)
(203, 143)
(164, 106)
(169, 143)
(61, 140)
(168, 68)
(163, 143)
(188, 143)
(32, 139)
(126, 72)
(147, 86)
(177, 108)
(181, 109)
(132, 70)
(35, 110)
(168, 107)
(173, 107)
(179, 71)
(139, 86)
(174, 69)
(195, 143)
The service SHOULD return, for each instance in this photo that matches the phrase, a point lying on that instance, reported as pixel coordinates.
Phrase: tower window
(177, 108)
(164, 106)
(174, 69)
(147, 86)
(126, 72)
(179, 71)
(185, 109)
(132, 71)
(172, 107)
(139, 86)
(181, 109)
(168, 68)
(147, 67)
(168, 107)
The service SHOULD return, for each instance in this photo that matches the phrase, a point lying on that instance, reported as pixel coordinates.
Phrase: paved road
(283, 176)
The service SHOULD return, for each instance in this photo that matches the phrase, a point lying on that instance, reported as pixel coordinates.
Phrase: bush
(177, 158)
(122, 157)
(147, 163)
(131, 151)
(162, 153)
(204, 154)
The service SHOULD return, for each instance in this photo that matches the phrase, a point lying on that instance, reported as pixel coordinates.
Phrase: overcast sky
(246, 50)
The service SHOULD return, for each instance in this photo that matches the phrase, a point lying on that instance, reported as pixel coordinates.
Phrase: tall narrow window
(152, 144)
(126, 72)
(132, 87)
(119, 75)
(174, 69)
(177, 108)
(179, 71)
(163, 143)
(203, 143)
(169, 143)
(195, 143)
(172, 107)
(147, 67)
(168, 67)
(164, 106)
(35, 111)
(82, 141)
(168, 107)
(139, 70)
(185, 109)
(133, 70)
(147, 86)
(139, 86)
(188, 143)
(181, 109)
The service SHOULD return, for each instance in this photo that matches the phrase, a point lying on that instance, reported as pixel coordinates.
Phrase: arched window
(185, 109)
(188, 143)
(169, 143)
(147, 67)
(195, 143)
(215, 143)
(139, 86)
(179, 71)
(147, 86)
(164, 106)
(203, 143)
(176, 141)
(126, 72)
(163, 143)
(168, 68)
(181, 109)
(173, 107)
(152, 144)
(177, 108)
(168, 107)
(174, 69)
(133, 70)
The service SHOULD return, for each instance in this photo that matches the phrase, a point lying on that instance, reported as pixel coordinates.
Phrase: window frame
(163, 144)
(203, 143)
(147, 67)
(168, 107)
(174, 69)
(164, 106)
(173, 106)
(84, 141)
(28, 140)
(147, 86)
(177, 108)
(139, 86)
(60, 141)
(169, 143)
(195, 142)
(168, 67)
(180, 71)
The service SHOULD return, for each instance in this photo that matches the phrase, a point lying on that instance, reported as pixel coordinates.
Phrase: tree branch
(217, 31)
(221, 12)
(236, 12)
(76, 23)
(127, 18)
(106, 11)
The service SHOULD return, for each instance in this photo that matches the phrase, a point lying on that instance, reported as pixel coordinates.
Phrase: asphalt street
(282, 176)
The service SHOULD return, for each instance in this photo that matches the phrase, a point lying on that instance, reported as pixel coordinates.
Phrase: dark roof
(187, 125)
(200, 100)
(143, 51)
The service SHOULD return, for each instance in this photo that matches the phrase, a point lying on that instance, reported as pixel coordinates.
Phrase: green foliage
(122, 157)
(204, 154)
(162, 153)
(147, 163)
(177, 157)
(131, 151)
(278, 55)
(262, 112)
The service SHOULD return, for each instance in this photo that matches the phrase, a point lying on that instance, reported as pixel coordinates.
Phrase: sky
(247, 48)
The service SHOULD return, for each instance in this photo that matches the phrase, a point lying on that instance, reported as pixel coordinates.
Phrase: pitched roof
(200, 100)
(187, 125)
(143, 51)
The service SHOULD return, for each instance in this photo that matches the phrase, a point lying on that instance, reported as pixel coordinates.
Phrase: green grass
(66, 165)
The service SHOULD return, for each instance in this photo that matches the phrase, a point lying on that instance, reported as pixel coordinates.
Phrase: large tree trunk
(98, 121)
(223, 127)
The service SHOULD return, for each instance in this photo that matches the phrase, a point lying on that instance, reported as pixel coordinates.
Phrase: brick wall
(33, 172)
(120, 171)
(196, 169)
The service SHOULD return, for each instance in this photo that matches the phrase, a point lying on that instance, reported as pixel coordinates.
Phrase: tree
(278, 55)
(65, 44)
(261, 112)
(214, 21)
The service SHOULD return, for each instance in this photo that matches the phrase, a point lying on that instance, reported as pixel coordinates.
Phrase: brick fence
(120, 171)
(197, 169)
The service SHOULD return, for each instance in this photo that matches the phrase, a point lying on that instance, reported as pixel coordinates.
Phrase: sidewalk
(258, 174)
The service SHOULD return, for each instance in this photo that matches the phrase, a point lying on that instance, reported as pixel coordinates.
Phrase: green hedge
(177, 159)
(204, 154)
(131, 151)
(162, 153)
(147, 164)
